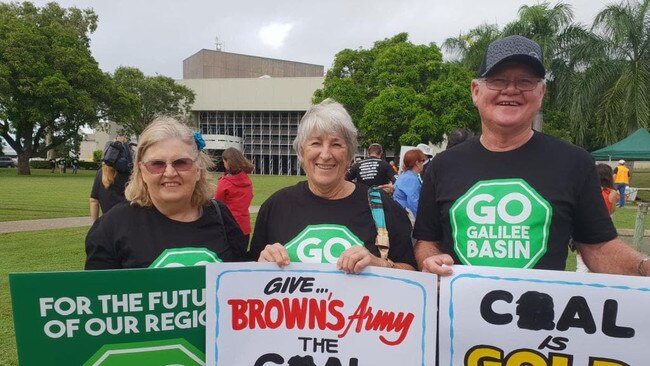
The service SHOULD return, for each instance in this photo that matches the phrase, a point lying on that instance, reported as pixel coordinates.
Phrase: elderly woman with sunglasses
(327, 219)
(169, 219)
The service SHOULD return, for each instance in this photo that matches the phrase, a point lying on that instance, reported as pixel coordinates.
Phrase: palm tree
(611, 94)
(469, 48)
(553, 29)
(545, 25)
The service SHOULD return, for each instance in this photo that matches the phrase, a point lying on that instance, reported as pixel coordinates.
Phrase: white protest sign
(314, 314)
(497, 316)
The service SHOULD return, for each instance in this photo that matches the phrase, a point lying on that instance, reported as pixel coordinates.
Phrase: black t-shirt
(371, 172)
(111, 196)
(483, 204)
(290, 211)
(130, 236)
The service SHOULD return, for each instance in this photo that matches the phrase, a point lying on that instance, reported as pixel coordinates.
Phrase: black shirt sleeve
(234, 236)
(352, 173)
(94, 193)
(427, 223)
(592, 223)
(389, 172)
(100, 250)
(260, 235)
(399, 232)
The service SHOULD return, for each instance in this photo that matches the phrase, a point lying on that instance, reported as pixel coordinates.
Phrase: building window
(267, 137)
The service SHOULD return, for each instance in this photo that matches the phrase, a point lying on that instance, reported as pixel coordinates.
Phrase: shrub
(88, 165)
(97, 156)
(40, 164)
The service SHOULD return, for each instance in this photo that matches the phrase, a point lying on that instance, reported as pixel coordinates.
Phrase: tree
(449, 98)
(611, 97)
(139, 98)
(553, 29)
(388, 89)
(468, 49)
(49, 81)
(545, 25)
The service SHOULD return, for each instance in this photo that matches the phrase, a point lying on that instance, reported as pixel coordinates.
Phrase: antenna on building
(219, 46)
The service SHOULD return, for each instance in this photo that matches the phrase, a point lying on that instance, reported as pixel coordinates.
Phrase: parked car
(7, 161)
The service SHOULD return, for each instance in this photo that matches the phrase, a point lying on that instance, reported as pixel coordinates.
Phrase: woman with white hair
(328, 219)
(169, 213)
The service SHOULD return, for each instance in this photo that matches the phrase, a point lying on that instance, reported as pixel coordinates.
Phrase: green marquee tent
(632, 148)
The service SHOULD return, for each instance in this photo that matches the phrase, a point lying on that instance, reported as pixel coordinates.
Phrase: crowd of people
(168, 205)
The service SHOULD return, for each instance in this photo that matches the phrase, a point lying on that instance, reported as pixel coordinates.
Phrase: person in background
(458, 136)
(610, 197)
(169, 219)
(75, 165)
(108, 190)
(62, 165)
(235, 188)
(393, 165)
(427, 151)
(373, 170)
(621, 181)
(408, 184)
(111, 178)
(326, 206)
(469, 187)
(118, 154)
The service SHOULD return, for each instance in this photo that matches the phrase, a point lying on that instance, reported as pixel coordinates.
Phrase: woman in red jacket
(235, 188)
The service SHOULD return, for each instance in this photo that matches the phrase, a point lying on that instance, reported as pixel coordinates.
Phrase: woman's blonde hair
(108, 175)
(160, 129)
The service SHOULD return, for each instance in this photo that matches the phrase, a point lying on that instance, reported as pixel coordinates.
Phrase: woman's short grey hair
(160, 129)
(327, 118)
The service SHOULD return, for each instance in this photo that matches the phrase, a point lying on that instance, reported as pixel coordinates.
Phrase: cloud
(274, 34)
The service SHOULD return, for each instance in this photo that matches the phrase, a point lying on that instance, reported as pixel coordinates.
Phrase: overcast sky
(156, 35)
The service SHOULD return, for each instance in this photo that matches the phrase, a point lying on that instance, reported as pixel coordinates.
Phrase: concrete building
(210, 64)
(251, 103)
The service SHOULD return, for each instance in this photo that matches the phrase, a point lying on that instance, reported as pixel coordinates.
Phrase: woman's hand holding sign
(275, 252)
(355, 259)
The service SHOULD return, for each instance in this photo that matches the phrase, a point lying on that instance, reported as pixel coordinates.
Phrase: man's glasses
(159, 166)
(523, 84)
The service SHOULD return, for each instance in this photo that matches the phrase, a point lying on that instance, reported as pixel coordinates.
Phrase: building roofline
(260, 57)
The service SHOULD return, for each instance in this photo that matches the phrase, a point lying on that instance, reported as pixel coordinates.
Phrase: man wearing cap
(515, 197)
(621, 180)
(373, 170)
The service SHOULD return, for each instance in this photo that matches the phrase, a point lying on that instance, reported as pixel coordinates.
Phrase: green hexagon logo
(501, 223)
(152, 353)
(185, 257)
(321, 243)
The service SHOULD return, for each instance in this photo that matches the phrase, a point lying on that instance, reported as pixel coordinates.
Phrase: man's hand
(439, 264)
(430, 259)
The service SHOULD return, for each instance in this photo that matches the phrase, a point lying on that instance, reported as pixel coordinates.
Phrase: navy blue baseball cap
(513, 48)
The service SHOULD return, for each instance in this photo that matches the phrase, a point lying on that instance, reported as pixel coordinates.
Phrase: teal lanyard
(377, 207)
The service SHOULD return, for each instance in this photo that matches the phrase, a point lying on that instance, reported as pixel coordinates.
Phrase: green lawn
(47, 250)
(45, 195)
